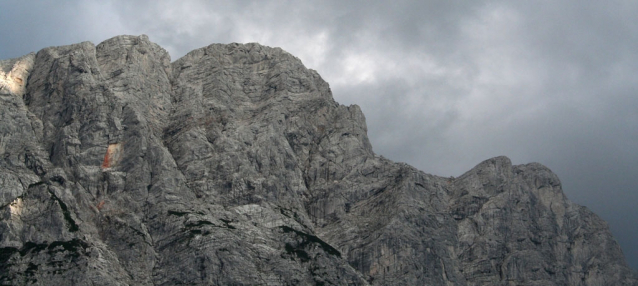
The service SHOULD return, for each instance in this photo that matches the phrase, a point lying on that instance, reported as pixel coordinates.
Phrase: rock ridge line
(233, 165)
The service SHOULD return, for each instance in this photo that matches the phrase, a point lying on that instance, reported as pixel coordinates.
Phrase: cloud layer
(444, 84)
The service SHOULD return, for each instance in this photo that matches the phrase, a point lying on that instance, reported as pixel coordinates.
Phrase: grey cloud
(31, 26)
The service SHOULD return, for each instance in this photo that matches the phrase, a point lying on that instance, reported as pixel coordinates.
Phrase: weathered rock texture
(234, 166)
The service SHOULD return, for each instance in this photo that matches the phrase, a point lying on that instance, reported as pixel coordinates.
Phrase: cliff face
(234, 166)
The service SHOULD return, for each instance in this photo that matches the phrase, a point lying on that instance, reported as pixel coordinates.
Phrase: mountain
(235, 166)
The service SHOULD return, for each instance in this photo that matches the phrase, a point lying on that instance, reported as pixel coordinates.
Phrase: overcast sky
(444, 85)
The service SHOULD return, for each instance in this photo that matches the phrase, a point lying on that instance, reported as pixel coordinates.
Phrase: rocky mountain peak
(234, 165)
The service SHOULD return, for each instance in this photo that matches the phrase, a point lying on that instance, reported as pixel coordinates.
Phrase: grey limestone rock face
(234, 166)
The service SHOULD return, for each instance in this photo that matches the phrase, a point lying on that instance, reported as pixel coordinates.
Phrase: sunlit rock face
(14, 74)
(234, 166)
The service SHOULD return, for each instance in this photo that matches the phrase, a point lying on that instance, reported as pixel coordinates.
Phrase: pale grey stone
(234, 166)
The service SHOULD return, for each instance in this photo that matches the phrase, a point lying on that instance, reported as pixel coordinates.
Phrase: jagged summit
(233, 165)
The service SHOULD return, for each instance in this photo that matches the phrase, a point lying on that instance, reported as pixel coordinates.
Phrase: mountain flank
(235, 166)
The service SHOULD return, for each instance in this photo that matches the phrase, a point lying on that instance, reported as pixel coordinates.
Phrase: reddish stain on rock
(112, 156)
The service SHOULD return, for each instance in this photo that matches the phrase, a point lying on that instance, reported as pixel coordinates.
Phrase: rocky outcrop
(234, 166)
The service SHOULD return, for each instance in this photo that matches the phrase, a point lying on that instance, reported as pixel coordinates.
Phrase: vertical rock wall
(234, 166)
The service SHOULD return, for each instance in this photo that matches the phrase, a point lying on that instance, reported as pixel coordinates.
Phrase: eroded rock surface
(234, 166)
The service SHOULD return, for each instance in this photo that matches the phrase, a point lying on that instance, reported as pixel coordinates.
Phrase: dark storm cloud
(443, 84)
